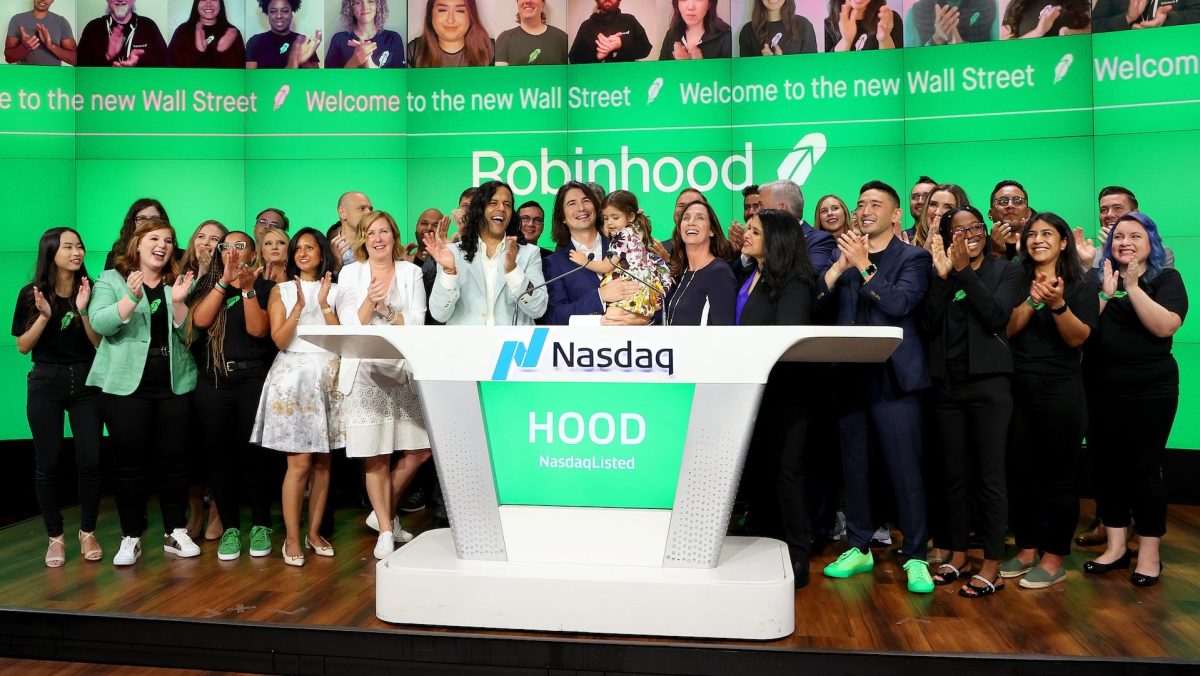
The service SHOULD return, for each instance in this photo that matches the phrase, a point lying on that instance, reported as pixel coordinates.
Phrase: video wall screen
(221, 109)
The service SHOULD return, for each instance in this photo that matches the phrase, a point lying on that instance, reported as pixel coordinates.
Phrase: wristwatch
(870, 270)
(249, 293)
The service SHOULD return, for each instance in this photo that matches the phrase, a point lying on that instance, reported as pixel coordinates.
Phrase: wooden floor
(1105, 616)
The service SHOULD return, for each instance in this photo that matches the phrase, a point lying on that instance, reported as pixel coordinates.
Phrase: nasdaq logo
(522, 354)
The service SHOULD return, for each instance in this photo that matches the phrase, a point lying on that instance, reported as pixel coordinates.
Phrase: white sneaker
(882, 537)
(839, 527)
(130, 552)
(402, 536)
(385, 545)
(180, 544)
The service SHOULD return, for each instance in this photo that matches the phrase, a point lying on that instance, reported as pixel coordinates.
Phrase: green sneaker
(919, 581)
(1014, 568)
(851, 562)
(1038, 578)
(260, 541)
(231, 545)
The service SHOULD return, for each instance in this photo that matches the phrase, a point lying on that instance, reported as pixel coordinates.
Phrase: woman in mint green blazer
(145, 372)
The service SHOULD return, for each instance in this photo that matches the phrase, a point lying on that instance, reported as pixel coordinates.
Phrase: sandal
(970, 591)
(56, 561)
(95, 553)
(944, 578)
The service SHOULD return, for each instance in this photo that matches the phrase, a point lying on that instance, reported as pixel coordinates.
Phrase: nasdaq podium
(589, 474)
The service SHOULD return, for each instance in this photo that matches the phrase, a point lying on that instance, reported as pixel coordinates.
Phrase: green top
(121, 357)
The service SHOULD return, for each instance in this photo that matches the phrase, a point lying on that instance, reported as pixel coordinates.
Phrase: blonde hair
(262, 260)
(359, 243)
(191, 258)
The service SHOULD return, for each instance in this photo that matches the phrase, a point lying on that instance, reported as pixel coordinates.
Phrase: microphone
(532, 288)
(648, 285)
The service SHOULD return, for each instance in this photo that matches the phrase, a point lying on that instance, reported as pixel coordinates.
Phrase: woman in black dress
(705, 290)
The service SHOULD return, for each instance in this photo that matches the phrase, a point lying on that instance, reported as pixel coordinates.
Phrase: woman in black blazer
(779, 293)
(965, 319)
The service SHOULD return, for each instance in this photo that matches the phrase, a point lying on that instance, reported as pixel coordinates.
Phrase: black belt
(164, 351)
(231, 366)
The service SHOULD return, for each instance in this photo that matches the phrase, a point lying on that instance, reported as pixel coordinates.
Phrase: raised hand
(200, 38)
(299, 297)
(510, 253)
(680, 52)
(134, 283)
(959, 258)
(578, 257)
(436, 246)
(1133, 14)
(40, 302)
(737, 234)
(1132, 272)
(227, 39)
(230, 259)
(1000, 234)
(43, 35)
(84, 295)
(1109, 278)
(1047, 18)
(1051, 293)
(377, 291)
(362, 52)
(883, 30)
(323, 292)
(116, 40)
(941, 262)
(31, 42)
(854, 250)
(846, 24)
(247, 276)
(1084, 248)
(179, 290)
(132, 60)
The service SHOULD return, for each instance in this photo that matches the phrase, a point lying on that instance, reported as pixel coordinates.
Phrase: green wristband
(1105, 297)
(1034, 304)
(222, 285)
(132, 297)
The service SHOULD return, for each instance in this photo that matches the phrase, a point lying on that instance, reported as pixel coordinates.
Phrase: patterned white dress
(381, 410)
(300, 408)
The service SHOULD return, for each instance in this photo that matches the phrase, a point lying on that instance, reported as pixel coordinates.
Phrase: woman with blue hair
(1133, 392)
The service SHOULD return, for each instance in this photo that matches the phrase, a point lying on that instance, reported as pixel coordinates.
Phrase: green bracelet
(1034, 304)
(132, 297)
(83, 313)
(222, 285)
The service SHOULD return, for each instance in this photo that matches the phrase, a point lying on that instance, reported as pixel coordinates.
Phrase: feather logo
(655, 87)
(284, 47)
(805, 155)
(1064, 65)
(281, 96)
(534, 55)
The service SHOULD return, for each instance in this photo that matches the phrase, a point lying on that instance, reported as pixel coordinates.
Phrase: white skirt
(299, 411)
(382, 419)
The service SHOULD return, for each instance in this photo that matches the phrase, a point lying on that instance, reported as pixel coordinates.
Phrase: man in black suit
(879, 281)
(785, 196)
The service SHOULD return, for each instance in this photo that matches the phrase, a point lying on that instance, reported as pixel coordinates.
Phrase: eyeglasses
(1005, 201)
(226, 246)
(270, 224)
(533, 219)
(968, 230)
(918, 195)
(142, 219)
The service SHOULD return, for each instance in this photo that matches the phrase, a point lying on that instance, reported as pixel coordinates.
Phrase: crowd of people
(452, 32)
(970, 430)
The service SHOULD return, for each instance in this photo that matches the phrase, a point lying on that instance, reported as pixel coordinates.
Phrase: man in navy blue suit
(877, 280)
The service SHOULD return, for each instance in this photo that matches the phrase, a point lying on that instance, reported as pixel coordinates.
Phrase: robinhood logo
(799, 163)
(516, 352)
(626, 172)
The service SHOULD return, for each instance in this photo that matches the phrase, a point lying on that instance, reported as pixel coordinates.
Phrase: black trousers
(241, 471)
(148, 430)
(877, 414)
(1129, 433)
(776, 462)
(973, 415)
(55, 390)
(1043, 445)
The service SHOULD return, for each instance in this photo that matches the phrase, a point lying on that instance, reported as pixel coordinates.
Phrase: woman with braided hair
(229, 309)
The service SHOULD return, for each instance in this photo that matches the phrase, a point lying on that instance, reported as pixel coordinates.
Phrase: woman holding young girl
(229, 312)
(1047, 333)
(382, 412)
(298, 412)
(147, 374)
(51, 321)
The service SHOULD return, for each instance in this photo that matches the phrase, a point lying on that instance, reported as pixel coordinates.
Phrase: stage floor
(1095, 617)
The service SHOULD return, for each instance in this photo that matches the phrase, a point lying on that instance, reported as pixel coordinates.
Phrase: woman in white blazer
(381, 409)
(490, 277)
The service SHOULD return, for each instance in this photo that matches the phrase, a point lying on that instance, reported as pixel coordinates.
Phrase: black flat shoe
(1140, 580)
(800, 572)
(1096, 568)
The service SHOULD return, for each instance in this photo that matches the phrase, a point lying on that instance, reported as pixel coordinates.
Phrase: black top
(1123, 353)
(806, 43)
(1039, 347)
(985, 298)
(713, 285)
(716, 43)
(635, 45)
(160, 332)
(239, 344)
(793, 306)
(864, 39)
(185, 55)
(389, 49)
(141, 33)
(64, 340)
(1109, 15)
(1029, 18)
(271, 50)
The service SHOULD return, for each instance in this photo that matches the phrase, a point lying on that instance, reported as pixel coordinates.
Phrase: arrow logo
(805, 155)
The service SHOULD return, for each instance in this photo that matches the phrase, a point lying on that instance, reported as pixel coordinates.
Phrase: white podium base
(749, 595)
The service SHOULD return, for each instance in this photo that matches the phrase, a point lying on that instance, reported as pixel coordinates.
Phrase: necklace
(688, 276)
